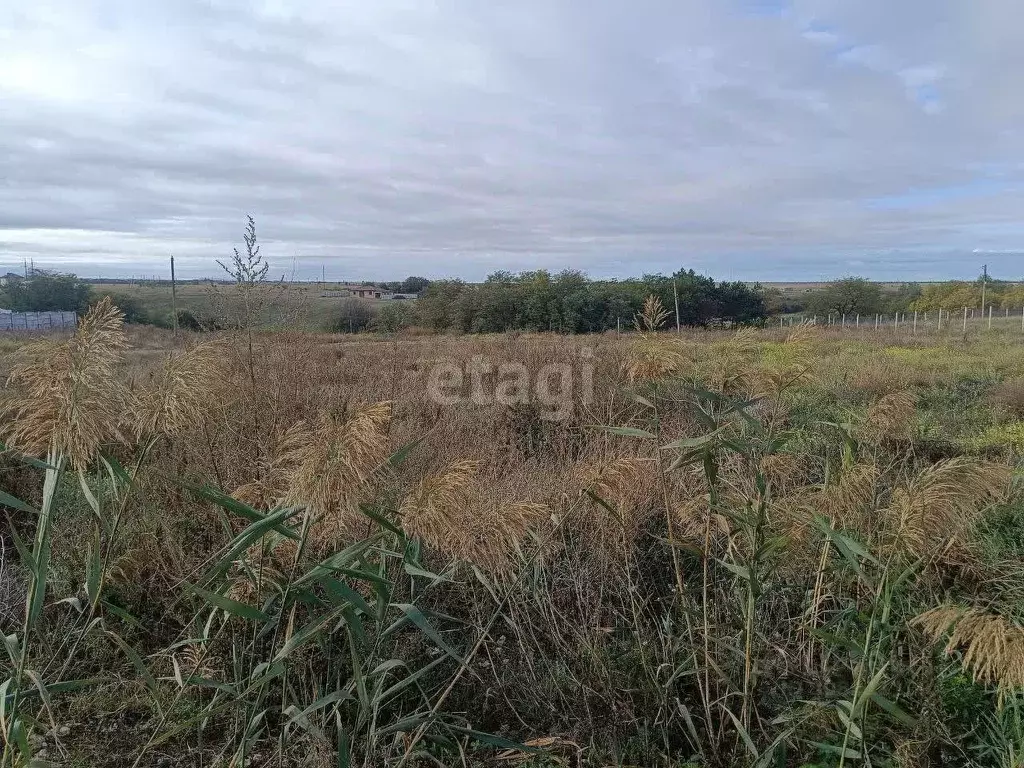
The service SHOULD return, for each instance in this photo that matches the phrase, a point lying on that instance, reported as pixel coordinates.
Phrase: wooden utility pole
(675, 295)
(984, 285)
(174, 301)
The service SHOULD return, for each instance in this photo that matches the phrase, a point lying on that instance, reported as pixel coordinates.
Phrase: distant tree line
(409, 285)
(958, 294)
(569, 302)
(563, 302)
(858, 295)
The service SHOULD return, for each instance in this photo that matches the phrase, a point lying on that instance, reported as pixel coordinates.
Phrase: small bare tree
(249, 273)
(243, 306)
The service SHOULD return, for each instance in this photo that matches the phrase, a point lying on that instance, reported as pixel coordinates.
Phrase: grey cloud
(457, 137)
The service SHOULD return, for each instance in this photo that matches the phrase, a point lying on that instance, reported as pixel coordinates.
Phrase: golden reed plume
(70, 395)
(182, 391)
(447, 513)
(891, 417)
(327, 467)
(940, 504)
(625, 485)
(994, 646)
(650, 357)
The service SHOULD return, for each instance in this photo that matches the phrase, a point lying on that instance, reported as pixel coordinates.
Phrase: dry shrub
(1009, 395)
(68, 394)
(450, 514)
(941, 504)
(994, 645)
(891, 418)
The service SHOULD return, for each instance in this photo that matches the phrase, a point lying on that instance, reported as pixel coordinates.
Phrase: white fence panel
(37, 321)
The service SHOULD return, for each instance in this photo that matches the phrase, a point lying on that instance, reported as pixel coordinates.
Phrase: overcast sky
(747, 139)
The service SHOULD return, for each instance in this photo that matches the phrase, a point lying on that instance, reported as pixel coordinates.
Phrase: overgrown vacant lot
(711, 549)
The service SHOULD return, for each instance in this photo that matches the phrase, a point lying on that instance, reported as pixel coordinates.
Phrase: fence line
(940, 320)
(37, 321)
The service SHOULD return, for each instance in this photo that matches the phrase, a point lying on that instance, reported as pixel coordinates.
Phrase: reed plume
(993, 645)
(651, 357)
(891, 417)
(69, 395)
(270, 487)
(652, 316)
(846, 503)
(326, 467)
(625, 487)
(182, 391)
(803, 336)
(448, 515)
(942, 503)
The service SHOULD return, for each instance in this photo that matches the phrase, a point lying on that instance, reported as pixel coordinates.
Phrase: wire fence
(937, 320)
(37, 321)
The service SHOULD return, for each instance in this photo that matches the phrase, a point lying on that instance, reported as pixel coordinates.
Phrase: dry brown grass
(880, 378)
(487, 481)
(1009, 395)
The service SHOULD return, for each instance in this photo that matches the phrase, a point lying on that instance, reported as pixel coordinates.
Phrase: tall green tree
(849, 296)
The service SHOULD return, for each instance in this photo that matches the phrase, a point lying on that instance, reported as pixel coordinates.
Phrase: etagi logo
(556, 387)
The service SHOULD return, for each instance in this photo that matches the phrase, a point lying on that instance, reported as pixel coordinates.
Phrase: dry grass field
(788, 547)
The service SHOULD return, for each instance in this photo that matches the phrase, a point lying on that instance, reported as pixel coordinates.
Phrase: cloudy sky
(748, 139)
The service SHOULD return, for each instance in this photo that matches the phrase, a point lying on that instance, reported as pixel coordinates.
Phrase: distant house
(366, 292)
(359, 292)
